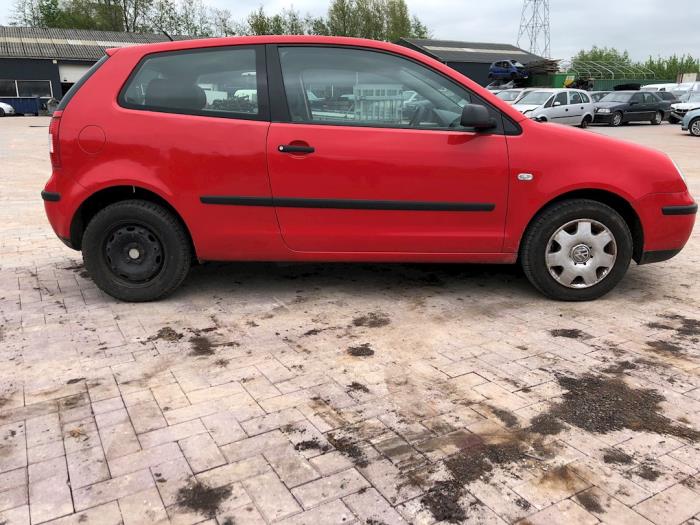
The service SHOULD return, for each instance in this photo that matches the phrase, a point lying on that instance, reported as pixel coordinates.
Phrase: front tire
(2, 112)
(576, 250)
(658, 118)
(136, 251)
(694, 127)
(616, 119)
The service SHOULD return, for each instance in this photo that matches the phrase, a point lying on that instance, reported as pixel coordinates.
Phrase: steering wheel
(424, 109)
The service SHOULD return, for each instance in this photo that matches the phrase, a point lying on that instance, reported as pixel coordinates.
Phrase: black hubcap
(134, 253)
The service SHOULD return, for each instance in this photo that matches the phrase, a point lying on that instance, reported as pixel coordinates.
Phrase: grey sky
(643, 27)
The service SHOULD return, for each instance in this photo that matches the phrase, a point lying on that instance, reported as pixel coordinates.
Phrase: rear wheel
(658, 118)
(694, 127)
(576, 250)
(616, 119)
(136, 251)
(586, 121)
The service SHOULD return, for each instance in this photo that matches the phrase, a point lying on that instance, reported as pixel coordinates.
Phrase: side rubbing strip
(348, 204)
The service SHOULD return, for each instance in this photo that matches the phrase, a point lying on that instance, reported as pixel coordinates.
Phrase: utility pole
(534, 27)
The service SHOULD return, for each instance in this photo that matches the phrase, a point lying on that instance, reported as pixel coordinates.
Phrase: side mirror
(557, 103)
(476, 117)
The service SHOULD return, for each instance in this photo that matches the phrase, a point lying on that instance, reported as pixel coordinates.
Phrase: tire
(616, 119)
(114, 244)
(694, 127)
(2, 112)
(658, 118)
(537, 250)
(586, 121)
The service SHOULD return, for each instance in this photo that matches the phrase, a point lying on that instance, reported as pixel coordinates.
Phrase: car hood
(525, 107)
(686, 106)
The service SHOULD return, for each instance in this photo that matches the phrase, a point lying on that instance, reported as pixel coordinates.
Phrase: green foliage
(662, 68)
(377, 19)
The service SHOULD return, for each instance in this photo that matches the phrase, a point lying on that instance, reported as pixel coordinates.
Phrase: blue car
(691, 122)
(507, 70)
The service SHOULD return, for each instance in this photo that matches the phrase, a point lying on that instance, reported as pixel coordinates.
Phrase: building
(47, 62)
(472, 59)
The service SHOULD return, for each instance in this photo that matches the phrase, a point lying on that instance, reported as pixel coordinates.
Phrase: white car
(6, 109)
(659, 87)
(513, 95)
(563, 106)
(689, 102)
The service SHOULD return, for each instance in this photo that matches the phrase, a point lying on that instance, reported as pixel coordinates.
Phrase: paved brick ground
(238, 400)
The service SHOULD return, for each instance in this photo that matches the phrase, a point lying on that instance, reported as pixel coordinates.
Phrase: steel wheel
(134, 253)
(581, 253)
(695, 127)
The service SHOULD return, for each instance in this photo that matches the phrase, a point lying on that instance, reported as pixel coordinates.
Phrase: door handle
(293, 148)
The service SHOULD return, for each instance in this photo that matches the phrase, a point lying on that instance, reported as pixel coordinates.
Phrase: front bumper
(667, 222)
(602, 118)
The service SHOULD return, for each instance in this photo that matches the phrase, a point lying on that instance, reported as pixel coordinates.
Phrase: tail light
(54, 147)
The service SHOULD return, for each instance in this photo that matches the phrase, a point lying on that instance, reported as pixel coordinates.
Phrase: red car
(300, 149)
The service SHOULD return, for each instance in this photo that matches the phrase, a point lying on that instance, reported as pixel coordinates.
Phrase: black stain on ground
(200, 498)
(166, 334)
(613, 455)
(223, 363)
(665, 347)
(358, 387)
(75, 380)
(546, 424)
(349, 448)
(507, 418)
(648, 472)
(589, 502)
(201, 345)
(372, 320)
(601, 404)
(363, 350)
(620, 367)
(311, 444)
(569, 333)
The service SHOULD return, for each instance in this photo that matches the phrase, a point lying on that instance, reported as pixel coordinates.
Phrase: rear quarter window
(220, 82)
(80, 83)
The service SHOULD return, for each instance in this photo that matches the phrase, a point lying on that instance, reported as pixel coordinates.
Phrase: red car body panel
(181, 158)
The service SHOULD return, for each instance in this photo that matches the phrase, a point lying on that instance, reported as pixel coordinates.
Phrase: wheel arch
(615, 201)
(106, 196)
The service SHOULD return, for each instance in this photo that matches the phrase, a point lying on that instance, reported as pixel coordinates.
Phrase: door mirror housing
(557, 103)
(477, 117)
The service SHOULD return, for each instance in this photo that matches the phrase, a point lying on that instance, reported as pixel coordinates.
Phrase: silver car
(6, 109)
(563, 106)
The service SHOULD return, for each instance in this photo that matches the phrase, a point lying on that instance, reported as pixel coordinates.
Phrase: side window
(576, 97)
(561, 98)
(585, 98)
(650, 98)
(216, 82)
(366, 88)
(637, 97)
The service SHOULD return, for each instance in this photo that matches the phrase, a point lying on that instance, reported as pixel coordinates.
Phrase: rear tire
(591, 265)
(136, 251)
(616, 119)
(694, 127)
(658, 118)
(586, 121)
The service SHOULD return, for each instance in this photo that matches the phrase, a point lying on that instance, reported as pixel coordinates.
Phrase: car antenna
(166, 34)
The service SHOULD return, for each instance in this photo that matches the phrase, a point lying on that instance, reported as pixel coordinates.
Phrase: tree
(603, 54)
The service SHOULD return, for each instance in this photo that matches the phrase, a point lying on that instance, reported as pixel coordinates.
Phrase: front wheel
(576, 250)
(616, 119)
(658, 118)
(694, 127)
(136, 251)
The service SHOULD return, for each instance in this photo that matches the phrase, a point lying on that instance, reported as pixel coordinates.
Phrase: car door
(636, 109)
(576, 108)
(364, 177)
(559, 110)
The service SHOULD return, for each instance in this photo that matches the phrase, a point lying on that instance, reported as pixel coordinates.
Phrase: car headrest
(162, 92)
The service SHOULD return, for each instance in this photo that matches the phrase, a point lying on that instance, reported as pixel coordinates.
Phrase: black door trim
(347, 204)
(690, 209)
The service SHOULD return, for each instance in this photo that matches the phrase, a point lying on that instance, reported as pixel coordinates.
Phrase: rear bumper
(667, 221)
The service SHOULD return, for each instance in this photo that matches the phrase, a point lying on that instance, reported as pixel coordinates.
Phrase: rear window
(75, 87)
(211, 82)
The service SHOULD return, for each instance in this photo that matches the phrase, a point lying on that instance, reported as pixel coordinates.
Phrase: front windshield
(616, 97)
(693, 97)
(536, 98)
(508, 96)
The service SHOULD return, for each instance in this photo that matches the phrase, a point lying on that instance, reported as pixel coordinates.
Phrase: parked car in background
(148, 175)
(563, 106)
(6, 110)
(659, 87)
(508, 69)
(685, 88)
(621, 107)
(689, 102)
(597, 95)
(668, 96)
(497, 86)
(513, 95)
(691, 122)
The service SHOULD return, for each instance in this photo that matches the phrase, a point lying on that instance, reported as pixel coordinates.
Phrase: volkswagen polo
(211, 150)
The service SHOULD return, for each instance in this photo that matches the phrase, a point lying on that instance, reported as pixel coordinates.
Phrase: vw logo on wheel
(581, 253)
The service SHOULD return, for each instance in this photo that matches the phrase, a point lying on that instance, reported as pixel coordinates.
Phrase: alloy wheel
(695, 127)
(581, 253)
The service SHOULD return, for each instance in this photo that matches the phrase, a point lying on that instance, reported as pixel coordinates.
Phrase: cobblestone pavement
(341, 393)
